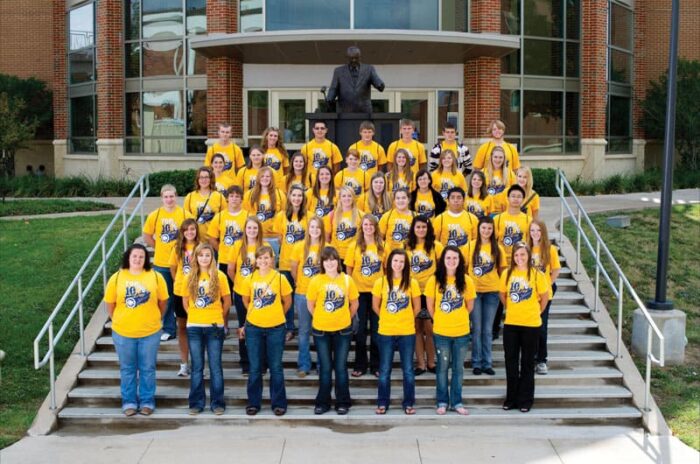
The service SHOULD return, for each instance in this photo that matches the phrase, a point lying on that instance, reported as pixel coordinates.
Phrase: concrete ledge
(46, 420)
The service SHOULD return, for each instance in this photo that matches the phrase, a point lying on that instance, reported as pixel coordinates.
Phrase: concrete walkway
(560, 444)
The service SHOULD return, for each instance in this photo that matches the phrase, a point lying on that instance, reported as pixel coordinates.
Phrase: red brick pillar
(639, 86)
(60, 89)
(110, 69)
(224, 74)
(482, 86)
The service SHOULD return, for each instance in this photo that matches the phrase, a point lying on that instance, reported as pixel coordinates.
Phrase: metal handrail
(141, 188)
(618, 289)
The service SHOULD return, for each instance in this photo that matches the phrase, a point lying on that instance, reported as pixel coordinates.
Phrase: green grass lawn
(31, 207)
(40, 258)
(676, 389)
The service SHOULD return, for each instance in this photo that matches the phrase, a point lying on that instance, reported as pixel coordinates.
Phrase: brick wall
(594, 18)
(26, 38)
(224, 74)
(110, 69)
(60, 91)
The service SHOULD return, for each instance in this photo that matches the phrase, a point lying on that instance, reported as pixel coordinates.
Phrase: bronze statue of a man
(352, 84)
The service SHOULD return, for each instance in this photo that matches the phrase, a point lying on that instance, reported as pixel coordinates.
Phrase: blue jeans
(405, 344)
(304, 360)
(290, 313)
(481, 317)
(242, 347)
(451, 353)
(275, 245)
(332, 349)
(266, 341)
(212, 339)
(137, 368)
(169, 323)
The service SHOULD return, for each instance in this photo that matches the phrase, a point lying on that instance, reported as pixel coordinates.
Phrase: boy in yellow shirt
(232, 153)
(372, 155)
(320, 151)
(415, 149)
(456, 226)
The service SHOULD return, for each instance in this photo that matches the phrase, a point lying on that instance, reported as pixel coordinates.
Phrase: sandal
(462, 411)
(279, 411)
(251, 410)
(441, 411)
(381, 410)
(358, 373)
(409, 411)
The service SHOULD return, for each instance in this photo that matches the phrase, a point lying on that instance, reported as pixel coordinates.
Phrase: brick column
(639, 85)
(224, 74)
(60, 86)
(482, 87)
(594, 88)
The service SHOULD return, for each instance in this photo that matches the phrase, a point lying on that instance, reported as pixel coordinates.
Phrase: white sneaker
(165, 336)
(541, 369)
(184, 370)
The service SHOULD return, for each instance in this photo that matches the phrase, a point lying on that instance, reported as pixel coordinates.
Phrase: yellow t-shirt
(202, 310)
(512, 157)
(136, 297)
(511, 229)
(394, 227)
(263, 209)
(416, 153)
(297, 180)
(393, 184)
(331, 299)
(479, 207)
(523, 297)
(246, 177)
(291, 233)
(319, 207)
(223, 182)
(366, 267)
(244, 265)
(203, 208)
(533, 204)
(497, 182)
(227, 227)
(233, 157)
(265, 293)
(546, 268)
(451, 317)
(425, 206)
(343, 230)
(423, 264)
(276, 160)
(444, 181)
(455, 229)
(358, 181)
(372, 156)
(486, 273)
(184, 267)
(321, 154)
(164, 226)
(307, 266)
(396, 316)
(363, 204)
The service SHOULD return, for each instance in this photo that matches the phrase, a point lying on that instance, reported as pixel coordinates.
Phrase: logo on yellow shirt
(232, 233)
(323, 207)
(310, 269)
(445, 186)
(367, 161)
(135, 294)
(451, 299)
(456, 235)
(397, 301)
(512, 234)
(320, 158)
(335, 298)
(371, 264)
(401, 228)
(420, 262)
(425, 209)
(247, 266)
(203, 300)
(345, 230)
(484, 264)
(273, 162)
(265, 212)
(519, 290)
(294, 233)
(475, 208)
(204, 214)
(168, 230)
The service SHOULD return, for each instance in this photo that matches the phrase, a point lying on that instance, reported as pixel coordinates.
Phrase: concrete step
(358, 415)
(564, 284)
(568, 309)
(567, 297)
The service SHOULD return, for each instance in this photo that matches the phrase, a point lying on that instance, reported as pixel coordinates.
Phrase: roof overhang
(328, 46)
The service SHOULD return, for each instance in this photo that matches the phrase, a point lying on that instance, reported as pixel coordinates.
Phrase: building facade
(140, 85)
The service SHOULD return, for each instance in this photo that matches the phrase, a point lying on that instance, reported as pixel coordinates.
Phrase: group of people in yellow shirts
(417, 261)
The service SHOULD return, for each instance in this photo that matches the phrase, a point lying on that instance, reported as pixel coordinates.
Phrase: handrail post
(578, 239)
(141, 202)
(104, 266)
(52, 370)
(647, 376)
(620, 296)
(562, 198)
(80, 315)
(126, 244)
(598, 264)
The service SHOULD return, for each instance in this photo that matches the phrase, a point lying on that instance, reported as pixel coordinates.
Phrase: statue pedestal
(344, 128)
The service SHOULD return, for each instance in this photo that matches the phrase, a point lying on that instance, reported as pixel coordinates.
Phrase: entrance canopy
(328, 46)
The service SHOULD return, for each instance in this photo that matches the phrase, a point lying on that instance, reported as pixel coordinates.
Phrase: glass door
(288, 110)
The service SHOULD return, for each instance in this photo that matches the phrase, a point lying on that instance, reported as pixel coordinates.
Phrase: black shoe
(342, 410)
(251, 410)
(318, 410)
(508, 406)
(418, 371)
(432, 370)
(489, 371)
(476, 371)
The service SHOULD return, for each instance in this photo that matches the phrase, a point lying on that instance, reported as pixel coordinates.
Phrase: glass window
(132, 16)
(258, 114)
(543, 18)
(133, 60)
(572, 59)
(163, 122)
(620, 66)
(196, 63)
(572, 114)
(510, 63)
(292, 120)
(573, 19)
(197, 112)
(84, 125)
(542, 113)
(81, 24)
(543, 57)
(283, 15)
(620, 27)
(251, 12)
(82, 66)
(547, 145)
(133, 114)
(619, 116)
(396, 14)
(162, 58)
(162, 19)
(415, 108)
(510, 111)
(455, 15)
(448, 108)
(510, 21)
(196, 17)
(380, 106)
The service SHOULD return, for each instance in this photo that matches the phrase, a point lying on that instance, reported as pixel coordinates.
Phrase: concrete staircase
(583, 385)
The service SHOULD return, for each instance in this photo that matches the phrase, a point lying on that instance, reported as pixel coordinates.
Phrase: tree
(687, 137)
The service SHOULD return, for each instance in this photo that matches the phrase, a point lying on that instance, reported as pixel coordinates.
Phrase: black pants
(520, 345)
(541, 356)
(497, 321)
(365, 314)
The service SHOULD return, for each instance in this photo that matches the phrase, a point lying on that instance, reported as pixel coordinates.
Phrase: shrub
(182, 180)
(545, 181)
(77, 186)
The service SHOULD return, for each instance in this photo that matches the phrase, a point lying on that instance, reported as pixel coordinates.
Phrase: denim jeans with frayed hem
(304, 359)
(405, 345)
(210, 339)
(482, 316)
(332, 349)
(264, 342)
(137, 368)
(451, 353)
